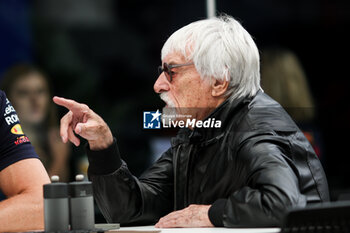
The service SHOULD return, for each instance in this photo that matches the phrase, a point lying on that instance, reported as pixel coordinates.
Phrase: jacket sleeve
(125, 199)
(270, 187)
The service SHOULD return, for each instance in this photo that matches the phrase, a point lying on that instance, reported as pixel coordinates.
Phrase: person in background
(283, 78)
(28, 90)
(22, 175)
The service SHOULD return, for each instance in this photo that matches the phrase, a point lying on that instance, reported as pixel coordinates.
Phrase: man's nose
(161, 84)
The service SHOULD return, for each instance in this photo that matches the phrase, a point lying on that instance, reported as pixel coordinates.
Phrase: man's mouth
(167, 100)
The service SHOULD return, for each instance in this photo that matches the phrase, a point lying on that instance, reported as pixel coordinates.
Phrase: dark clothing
(251, 170)
(14, 145)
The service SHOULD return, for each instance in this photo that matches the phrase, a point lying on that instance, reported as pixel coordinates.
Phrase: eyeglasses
(166, 68)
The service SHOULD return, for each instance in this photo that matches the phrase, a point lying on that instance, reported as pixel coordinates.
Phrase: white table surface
(200, 230)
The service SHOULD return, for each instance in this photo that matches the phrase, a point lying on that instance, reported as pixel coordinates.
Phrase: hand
(84, 122)
(192, 216)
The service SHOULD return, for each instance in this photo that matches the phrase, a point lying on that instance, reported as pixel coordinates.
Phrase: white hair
(220, 48)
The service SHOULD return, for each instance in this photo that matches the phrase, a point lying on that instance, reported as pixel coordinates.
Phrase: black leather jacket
(251, 170)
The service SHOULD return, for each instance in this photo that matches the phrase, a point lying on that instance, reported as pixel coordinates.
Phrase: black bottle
(56, 206)
(82, 215)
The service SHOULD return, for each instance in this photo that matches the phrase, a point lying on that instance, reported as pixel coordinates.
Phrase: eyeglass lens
(166, 71)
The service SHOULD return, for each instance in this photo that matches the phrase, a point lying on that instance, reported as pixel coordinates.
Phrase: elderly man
(246, 172)
(22, 175)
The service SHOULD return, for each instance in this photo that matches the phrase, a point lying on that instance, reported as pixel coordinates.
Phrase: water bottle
(82, 215)
(56, 206)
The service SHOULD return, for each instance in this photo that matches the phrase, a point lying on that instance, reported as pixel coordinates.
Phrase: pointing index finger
(69, 104)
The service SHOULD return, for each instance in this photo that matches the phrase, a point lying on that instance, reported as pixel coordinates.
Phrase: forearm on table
(22, 212)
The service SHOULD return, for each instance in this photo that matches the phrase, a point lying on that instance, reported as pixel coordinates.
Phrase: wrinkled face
(187, 92)
(30, 97)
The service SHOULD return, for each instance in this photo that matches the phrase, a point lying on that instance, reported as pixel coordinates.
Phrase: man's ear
(219, 87)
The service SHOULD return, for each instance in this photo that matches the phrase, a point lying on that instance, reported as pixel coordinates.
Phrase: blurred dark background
(105, 53)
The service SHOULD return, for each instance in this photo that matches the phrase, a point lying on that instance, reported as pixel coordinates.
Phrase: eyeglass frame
(166, 68)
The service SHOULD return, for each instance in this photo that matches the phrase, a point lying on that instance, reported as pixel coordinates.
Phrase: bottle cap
(79, 177)
(55, 178)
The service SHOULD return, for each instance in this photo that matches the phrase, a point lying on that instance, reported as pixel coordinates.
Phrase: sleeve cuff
(105, 161)
(216, 212)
